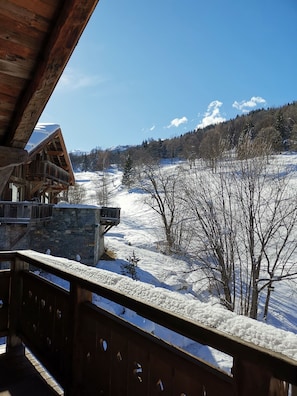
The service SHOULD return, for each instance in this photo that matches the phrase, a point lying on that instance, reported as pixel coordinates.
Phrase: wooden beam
(10, 157)
(63, 37)
(37, 186)
(14, 343)
(4, 177)
(57, 153)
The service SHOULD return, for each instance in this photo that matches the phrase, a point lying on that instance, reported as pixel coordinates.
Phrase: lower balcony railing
(24, 212)
(90, 351)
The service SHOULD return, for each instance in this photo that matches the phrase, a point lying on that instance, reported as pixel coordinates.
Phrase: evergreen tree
(280, 126)
(86, 163)
(128, 173)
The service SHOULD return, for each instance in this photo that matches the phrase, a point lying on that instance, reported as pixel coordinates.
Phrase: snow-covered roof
(41, 132)
(67, 205)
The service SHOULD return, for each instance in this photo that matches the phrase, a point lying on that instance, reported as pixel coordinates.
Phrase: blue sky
(160, 68)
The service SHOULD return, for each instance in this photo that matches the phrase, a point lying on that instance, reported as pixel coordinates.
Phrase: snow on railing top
(186, 306)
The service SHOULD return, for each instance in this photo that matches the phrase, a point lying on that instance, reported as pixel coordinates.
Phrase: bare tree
(244, 222)
(212, 147)
(210, 208)
(161, 190)
(76, 194)
(271, 137)
(103, 189)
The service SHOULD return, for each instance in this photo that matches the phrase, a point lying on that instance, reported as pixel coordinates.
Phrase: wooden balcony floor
(23, 375)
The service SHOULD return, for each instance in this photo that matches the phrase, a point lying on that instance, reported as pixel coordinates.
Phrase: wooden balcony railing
(92, 352)
(24, 212)
(109, 217)
(46, 169)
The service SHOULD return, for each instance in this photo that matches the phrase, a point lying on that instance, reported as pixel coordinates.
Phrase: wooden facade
(47, 170)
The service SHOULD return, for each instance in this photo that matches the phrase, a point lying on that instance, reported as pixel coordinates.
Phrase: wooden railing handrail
(285, 367)
(24, 203)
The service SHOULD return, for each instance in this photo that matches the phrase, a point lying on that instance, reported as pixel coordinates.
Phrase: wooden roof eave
(66, 31)
(67, 160)
(46, 34)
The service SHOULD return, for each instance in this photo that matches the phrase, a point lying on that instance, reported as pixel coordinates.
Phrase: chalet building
(47, 171)
(29, 214)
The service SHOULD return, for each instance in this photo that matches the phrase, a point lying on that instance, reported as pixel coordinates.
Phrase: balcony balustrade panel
(120, 359)
(44, 323)
(4, 300)
(24, 212)
(91, 351)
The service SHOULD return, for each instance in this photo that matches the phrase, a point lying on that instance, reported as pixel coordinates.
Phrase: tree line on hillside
(229, 209)
(277, 127)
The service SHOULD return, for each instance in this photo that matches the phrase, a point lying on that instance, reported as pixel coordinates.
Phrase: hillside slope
(139, 235)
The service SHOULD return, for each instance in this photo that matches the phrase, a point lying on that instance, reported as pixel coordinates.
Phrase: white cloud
(212, 115)
(176, 122)
(152, 128)
(72, 80)
(246, 105)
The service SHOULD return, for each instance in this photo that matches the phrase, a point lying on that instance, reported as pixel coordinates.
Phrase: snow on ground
(139, 234)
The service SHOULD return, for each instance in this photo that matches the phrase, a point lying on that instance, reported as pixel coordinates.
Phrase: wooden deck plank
(23, 375)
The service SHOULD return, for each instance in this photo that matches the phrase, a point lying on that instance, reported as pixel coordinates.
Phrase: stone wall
(73, 232)
(14, 236)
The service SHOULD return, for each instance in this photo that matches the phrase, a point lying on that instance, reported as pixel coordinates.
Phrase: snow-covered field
(139, 234)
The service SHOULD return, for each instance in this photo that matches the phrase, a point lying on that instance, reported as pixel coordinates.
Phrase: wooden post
(4, 177)
(250, 379)
(14, 343)
(78, 296)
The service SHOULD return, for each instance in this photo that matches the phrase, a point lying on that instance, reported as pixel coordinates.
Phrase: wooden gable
(47, 171)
